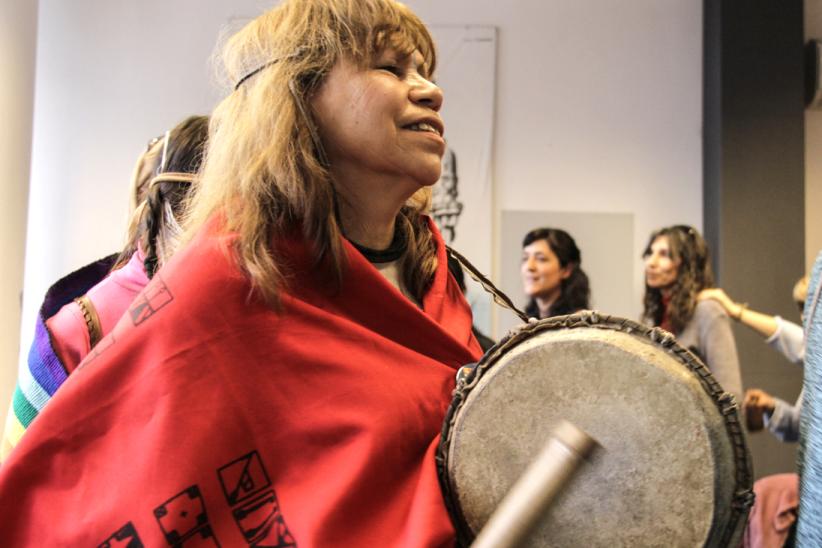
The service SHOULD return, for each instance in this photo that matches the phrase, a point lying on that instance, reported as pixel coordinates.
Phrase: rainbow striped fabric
(43, 373)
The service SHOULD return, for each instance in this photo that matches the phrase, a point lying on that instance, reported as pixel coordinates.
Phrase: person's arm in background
(789, 340)
(778, 416)
(764, 324)
(784, 336)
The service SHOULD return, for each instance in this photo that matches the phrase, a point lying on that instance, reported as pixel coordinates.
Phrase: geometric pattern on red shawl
(205, 415)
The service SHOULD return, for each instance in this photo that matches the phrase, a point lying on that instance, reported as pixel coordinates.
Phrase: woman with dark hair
(551, 274)
(677, 268)
(83, 307)
(283, 379)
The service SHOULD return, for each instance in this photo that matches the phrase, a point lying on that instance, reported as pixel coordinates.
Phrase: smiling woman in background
(677, 268)
(552, 276)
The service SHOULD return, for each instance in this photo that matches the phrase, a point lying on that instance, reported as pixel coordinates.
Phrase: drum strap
(499, 297)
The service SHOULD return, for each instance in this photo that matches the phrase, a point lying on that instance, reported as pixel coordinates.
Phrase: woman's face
(382, 121)
(542, 273)
(660, 268)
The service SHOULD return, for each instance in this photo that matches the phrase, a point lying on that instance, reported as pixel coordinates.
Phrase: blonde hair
(264, 172)
(800, 290)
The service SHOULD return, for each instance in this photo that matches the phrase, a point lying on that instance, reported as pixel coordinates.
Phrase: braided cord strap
(499, 297)
(743, 496)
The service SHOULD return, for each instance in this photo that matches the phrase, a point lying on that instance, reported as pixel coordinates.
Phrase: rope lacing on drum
(743, 500)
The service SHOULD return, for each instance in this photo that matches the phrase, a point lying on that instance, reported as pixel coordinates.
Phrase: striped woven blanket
(42, 373)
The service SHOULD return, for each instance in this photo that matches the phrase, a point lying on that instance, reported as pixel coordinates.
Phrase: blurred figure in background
(809, 530)
(761, 408)
(552, 276)
(677, 268)
(81, 308)
(777, 496)
(445, 204)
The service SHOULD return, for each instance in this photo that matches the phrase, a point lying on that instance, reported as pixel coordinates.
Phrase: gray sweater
(709, 335)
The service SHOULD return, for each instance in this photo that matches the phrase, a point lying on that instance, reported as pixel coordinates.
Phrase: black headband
(253, 72)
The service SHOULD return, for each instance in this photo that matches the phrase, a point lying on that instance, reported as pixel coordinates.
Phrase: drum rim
(725, 402)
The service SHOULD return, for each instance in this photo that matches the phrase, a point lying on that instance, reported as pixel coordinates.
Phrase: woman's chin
(656, 284)
(539, 294)
(429, 177)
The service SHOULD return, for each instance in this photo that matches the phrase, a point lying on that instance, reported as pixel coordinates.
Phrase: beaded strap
(95, 330)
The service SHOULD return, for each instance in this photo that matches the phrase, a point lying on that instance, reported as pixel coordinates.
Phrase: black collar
(393, 252)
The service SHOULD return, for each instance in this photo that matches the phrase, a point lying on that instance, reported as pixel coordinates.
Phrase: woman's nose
(425, 92)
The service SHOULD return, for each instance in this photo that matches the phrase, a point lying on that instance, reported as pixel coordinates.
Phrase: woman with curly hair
(551, 274)
(677, 268)
(283, 379)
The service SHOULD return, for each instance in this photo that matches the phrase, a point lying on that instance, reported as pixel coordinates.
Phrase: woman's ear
(566, 271)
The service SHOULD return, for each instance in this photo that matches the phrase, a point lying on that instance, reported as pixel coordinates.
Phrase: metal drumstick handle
(529, 498)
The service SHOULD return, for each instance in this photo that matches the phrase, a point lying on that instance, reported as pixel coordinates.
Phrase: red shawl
(205, 418)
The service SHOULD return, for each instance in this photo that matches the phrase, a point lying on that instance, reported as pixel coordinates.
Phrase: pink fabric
(773, 512)
(110, 297)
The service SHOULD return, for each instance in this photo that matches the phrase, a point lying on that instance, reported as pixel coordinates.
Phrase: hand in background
(756, 403)
(722, 298)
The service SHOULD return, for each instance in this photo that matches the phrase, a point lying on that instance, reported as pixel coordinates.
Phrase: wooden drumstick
(526, 502)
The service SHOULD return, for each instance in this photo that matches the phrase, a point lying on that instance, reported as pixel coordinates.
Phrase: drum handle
(525, 504)
(499, 297)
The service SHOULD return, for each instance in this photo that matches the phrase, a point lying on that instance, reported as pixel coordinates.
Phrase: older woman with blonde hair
(283, 379)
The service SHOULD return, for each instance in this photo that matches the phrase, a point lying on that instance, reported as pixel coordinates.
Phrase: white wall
(18, 40)
(110, 75)
(598, 109)
(813, 146)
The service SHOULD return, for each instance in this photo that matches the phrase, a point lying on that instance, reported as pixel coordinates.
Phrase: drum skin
(673, 470)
